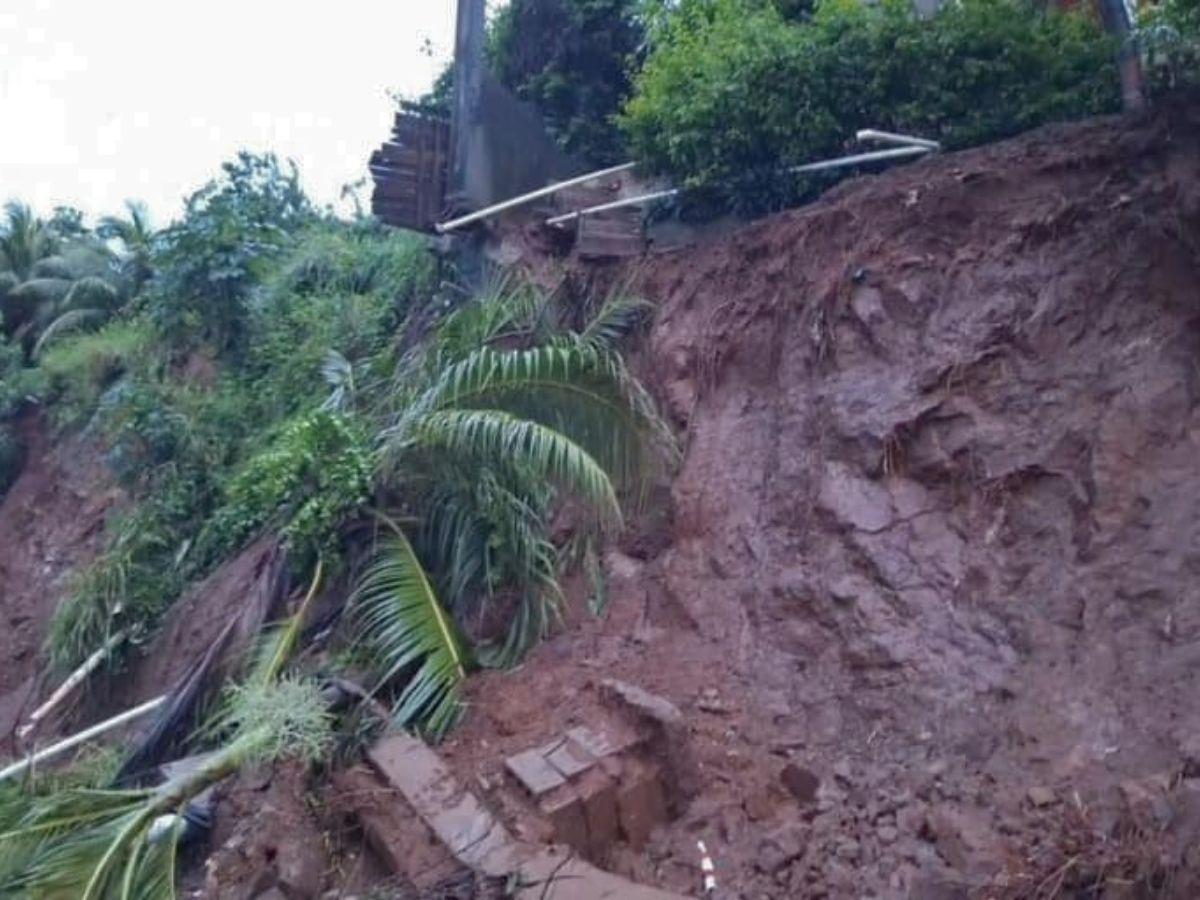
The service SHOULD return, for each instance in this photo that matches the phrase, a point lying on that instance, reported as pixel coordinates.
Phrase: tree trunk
(1115, 15)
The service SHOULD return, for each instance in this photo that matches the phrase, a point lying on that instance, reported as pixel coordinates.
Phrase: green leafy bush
(210, 260)
(572, 59)
(732, 95)
(341, 289)
(126, 587)
(1169, 35)
(308, 481)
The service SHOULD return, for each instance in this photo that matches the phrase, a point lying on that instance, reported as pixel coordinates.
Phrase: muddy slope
(935, 537)
(51, 521)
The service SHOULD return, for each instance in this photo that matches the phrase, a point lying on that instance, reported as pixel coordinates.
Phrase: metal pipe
(874, 155)
(890, 137)
(615, 204)
(75, 740)
(546, 191)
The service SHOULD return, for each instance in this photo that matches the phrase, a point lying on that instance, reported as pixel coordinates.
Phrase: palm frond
(284, 643)
(52, 267)
(104, 845)
(493, 434)
(583, 392)
(504, 310)
(615, 320)
(68, 321)
(92, 291)
(338, 373)
(24, 239)
(41, 290)
(403, 624)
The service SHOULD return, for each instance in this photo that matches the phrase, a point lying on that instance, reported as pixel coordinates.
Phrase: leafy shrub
(210, 260)
(571, 59)
(732, 94)
(126, 587)
(1169, 34)
(342, 290)
(311, 478)
(12, 389)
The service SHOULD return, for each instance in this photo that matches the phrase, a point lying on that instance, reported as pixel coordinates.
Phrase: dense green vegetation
(732, 94)
(256, 378)
(261, 368)
(724, 95)
(573, 60)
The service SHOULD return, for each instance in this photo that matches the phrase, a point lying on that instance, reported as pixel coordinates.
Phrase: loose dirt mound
(935, 536)
(51, 521)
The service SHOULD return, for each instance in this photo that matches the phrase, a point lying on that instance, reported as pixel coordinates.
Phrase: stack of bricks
(593, 790)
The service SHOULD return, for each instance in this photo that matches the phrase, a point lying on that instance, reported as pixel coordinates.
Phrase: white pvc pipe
(615, 204)
(514, 202)
(890, 137)
(894, 153)
(76, 678)
(75, 740)
(857, 158)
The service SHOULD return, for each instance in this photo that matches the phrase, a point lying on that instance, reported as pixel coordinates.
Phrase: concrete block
(611, 741)
(534, 772)
(570, 759)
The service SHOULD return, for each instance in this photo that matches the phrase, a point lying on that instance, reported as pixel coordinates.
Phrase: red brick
(599, 795)
(564, 810)
(641, 802)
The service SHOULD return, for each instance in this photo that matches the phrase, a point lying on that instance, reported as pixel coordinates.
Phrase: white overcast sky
(102, 100)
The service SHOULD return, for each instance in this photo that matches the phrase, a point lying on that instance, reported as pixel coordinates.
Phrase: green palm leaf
(585, 393)
(41, 290)
(68, 321)
(52, 267)
(403, 624)
(91, 291)
(615, 320)
(493, 434)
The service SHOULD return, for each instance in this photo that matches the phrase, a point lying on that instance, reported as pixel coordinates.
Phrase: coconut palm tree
(50, 285)
(481, 439)
(24, 239)
(136, 236)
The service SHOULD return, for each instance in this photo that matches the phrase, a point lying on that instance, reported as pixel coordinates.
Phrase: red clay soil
(51, 521)
(934, 540)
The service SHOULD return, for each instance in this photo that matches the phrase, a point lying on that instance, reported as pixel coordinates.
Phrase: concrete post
(468, 88)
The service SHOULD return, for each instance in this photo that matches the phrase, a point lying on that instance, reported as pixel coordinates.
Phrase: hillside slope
(934, 540)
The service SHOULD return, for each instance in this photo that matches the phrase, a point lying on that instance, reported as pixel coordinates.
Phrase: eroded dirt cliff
(934, 540)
